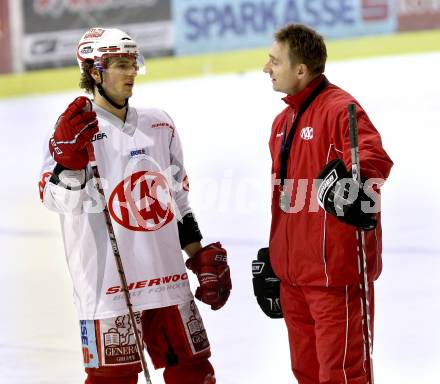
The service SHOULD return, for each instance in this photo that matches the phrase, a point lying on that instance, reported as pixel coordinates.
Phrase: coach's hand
(266, 285)
(210, 264)
(74, 129)
(343, 197)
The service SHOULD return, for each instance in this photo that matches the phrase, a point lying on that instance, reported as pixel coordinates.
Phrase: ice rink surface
(224, 123)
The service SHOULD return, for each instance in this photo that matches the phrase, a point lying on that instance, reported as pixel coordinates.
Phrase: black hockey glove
(342, 196)
(266, 285)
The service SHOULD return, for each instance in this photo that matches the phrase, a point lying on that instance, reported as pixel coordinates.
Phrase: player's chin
(128, 91)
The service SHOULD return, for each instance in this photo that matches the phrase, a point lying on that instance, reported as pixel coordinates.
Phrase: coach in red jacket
(313, 246)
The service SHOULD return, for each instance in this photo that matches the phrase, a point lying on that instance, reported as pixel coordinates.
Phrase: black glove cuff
(56, 179)
(189, 231)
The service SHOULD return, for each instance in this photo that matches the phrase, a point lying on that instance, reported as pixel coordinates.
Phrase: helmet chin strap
(105, 96)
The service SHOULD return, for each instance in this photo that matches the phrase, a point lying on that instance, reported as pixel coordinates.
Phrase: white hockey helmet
(99, 44)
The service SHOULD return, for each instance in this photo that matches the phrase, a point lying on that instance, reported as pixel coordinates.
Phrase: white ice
(224, 123)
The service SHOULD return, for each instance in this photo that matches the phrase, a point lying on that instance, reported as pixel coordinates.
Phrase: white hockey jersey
(141, 167)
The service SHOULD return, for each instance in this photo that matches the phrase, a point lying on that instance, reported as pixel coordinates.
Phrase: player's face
(283, 73)
(119, 77)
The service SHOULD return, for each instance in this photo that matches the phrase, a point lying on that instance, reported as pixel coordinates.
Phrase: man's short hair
(306, 46)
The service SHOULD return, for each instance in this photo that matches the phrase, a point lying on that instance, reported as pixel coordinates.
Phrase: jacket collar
(297, 100)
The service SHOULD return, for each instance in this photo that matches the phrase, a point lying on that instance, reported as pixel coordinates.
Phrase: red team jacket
(307, 245)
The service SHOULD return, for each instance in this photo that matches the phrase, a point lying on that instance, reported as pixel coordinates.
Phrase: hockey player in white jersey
(139, 156)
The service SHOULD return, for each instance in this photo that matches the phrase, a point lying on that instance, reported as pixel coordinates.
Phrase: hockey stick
(114, 244)
(362, 260)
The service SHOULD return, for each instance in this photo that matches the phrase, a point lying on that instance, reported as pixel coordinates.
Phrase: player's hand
(74, 129)
(210, 265)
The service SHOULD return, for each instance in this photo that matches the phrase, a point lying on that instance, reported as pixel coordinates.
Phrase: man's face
(283, 73)
(119, 77)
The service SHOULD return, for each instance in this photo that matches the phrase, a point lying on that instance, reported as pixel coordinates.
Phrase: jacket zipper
(324, 254)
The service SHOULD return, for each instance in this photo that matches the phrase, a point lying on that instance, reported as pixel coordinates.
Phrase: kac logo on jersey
(142, 202)
(307, 133)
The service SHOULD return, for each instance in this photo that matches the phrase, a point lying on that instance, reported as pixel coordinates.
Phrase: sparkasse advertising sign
(215, 25)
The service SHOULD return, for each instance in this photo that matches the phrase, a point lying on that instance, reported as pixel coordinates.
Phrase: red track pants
(325, 333)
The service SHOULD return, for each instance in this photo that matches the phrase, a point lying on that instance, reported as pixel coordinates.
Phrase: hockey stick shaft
(119, 265)
(362, 260)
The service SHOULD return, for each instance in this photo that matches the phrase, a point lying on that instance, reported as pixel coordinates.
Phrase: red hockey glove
(73, 131)
(210, 264)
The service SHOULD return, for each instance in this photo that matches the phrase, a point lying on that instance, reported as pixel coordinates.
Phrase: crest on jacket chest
(306, 133)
